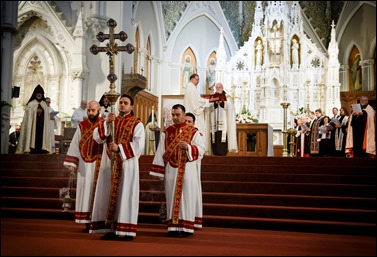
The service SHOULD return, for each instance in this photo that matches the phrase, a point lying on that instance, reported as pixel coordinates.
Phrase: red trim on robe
(72, 159)
(128, 150)
(101, 130)
(194, 152)
(181, 224)
(158, 169)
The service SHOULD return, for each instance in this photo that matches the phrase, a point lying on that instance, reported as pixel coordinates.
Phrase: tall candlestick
(244, 96)
(308, 95)
(152, 114)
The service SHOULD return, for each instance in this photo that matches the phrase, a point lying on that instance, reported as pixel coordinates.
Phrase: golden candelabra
(292, 132)
(151, 140)
(244, 96)
(308, 95)
(321, 96)
(234, 93)
(285, 139)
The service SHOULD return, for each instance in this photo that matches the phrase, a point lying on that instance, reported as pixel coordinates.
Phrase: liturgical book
(222, 97)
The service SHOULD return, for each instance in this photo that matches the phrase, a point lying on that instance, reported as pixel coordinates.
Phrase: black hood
(38, 89)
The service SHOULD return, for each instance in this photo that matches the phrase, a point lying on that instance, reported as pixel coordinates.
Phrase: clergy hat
(38, 89)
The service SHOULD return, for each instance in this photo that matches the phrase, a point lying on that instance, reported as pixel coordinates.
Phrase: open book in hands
(335, 121)
(53, 114)
(356, 108)
(322, 130)
(222, 97)
(304, 128)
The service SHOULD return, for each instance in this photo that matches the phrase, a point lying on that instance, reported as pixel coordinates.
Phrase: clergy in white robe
(181, 146)
(116, 202)
(361, 132)
(35, 136)
(302, 137)
(223, 132)
(79, 114)
(53, 123)
(84, 157)
(194, 103)
(190, 120)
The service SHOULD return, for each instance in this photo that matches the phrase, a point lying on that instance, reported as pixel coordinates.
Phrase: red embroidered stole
(89, 148)
(177, 158)
(123, 132)
(90, 151)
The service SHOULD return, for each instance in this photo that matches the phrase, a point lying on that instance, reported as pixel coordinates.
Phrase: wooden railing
(143, 103)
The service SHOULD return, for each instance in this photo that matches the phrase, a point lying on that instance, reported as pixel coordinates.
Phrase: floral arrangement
(300, 112)
(246, 117)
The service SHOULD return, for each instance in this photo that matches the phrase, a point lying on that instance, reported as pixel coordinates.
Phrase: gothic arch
(189, 66)
(50, 63)
(273, 80)
(141, 48)
(256, 51)
(42, 10)
(295, 37)
(211, 72)
(349, 49)
(355, 70)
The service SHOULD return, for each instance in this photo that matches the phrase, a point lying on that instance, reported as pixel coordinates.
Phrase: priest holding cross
(116, 202)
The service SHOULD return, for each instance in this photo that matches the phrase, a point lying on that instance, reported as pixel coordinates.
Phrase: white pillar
(343, 78)
(367, 67)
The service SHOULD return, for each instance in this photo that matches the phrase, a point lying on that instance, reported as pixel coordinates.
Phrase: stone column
(9, 10)
(344, 78)
(367, 67)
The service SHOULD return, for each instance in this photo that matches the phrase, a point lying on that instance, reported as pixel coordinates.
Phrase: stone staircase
(327, 195)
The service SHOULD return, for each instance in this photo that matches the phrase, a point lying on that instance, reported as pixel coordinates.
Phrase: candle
(152, 114)
(292, 120)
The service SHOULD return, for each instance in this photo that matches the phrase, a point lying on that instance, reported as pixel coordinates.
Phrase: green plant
(300, 112)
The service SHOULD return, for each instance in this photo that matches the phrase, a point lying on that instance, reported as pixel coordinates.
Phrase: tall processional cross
(111, 50)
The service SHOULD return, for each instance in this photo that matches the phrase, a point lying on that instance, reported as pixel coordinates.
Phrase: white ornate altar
(312, 83)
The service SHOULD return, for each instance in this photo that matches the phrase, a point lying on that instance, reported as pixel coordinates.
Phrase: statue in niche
(211, 79)
(356, 73)
(188, 70)
(259, 53)
(295, 59)
(275, 44)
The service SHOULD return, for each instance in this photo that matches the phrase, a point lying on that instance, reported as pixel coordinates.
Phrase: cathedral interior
(309, 54)
(277, 61)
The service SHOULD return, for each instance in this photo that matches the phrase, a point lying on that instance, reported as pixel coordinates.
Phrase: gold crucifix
(111, 50)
